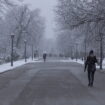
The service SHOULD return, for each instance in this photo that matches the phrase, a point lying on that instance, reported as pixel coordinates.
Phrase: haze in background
(47, 7)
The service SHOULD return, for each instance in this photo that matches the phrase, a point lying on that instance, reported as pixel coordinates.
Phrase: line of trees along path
(87, 18)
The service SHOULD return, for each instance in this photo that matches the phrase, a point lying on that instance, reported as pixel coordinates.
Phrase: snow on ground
(70, 60)
(78, 61)
(7, 66)
(82, 62)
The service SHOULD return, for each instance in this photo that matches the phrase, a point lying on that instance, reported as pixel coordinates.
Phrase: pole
(101, 53)
(32, 52)
(85, 50)
(71, 52)
(25, 51)
(76, 51)
(12, 50)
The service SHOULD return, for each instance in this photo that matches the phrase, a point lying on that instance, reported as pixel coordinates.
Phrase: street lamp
(71, 52)
(25, 54)
(12, 39)
(32, 52)
(76, 51)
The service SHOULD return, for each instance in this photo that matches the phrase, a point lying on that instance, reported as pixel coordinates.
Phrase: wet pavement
(50, 83)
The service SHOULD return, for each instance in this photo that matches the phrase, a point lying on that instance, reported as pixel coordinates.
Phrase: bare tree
(26, 25)
(77, 13)
(5, 5)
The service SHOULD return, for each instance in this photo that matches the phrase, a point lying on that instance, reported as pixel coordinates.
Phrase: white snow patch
(7, 66)
(70, 60)
(81, 62)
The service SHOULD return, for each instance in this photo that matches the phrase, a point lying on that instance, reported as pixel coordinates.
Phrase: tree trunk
(85, 51)
(101, 53)
(32, 52)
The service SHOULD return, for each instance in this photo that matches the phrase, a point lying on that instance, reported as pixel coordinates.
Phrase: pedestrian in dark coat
(90, 65)
(44, 56)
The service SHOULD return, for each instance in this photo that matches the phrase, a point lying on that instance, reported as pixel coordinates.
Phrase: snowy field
(7, 66)
(70, 60)
(82, 62)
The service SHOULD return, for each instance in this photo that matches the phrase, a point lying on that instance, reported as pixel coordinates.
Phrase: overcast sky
(47, 7)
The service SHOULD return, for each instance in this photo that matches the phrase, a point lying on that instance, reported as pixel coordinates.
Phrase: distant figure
(82, 59)
(44, 56)
(91, 67)
(34, 55)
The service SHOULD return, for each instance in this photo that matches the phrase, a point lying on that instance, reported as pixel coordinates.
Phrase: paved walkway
(50, 83)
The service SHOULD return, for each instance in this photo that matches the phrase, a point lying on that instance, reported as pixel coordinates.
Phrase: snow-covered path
(7, 66)
(82, 62)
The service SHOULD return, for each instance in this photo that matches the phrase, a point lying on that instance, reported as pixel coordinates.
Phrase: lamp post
(12, 39)
(76, 51)
(25, 53)
(32, 52)
(71, 52)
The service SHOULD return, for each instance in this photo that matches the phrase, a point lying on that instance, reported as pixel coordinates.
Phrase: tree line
(25, 24)
(87, 19)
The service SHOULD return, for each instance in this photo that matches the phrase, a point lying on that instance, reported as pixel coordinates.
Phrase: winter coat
(44, 55)
(90, 63)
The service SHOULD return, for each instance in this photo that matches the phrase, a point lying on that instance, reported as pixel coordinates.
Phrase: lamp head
(12, 35)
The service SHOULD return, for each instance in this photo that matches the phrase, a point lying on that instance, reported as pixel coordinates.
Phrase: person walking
(44, 56)
(90, 66)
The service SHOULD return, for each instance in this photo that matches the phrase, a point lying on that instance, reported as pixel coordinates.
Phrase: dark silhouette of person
(90, 65)
(34, 55)
(44, 56)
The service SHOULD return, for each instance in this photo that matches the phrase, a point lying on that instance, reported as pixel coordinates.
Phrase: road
(50, 83)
